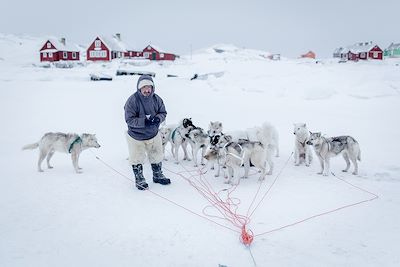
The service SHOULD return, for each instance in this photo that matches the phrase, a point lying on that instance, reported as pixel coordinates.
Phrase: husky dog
(70, 143)
(165, 132)
(214, 128)
(198, 139)
(179, 138)
(325, 148)
(235, 154)
(302, 152)
(256, 151)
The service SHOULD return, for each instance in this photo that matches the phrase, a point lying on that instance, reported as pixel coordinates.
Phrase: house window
(97, 43)
(50, 54)
(74, 55)
(362, 55)
(137, 54)
(48, 45)
(44, 55)
(98, 54)
(161, 55)
(375, 54)
(130, 53)
(65, 55)
(146, 54)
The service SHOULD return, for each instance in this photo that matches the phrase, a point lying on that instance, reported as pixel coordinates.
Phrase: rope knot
(246, 237)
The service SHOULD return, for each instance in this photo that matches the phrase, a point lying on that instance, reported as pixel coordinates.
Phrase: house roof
(361, 47)
(155, 47)
(393, 46)
(338, 50)
(60, 46)
(115, 44)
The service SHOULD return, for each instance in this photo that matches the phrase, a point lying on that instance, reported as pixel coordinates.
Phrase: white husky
(326, 148)
(66, 143)
(302, 152)
(233, 152)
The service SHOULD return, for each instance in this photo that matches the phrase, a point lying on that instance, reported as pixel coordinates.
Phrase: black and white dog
(179, 136)
(328, 147)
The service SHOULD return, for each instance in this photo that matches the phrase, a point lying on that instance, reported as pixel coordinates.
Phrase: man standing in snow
(144, 111)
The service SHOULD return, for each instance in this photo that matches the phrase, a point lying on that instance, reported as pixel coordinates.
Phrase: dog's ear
(318, 134)
(310, 132)
(220, 124)
(304, 125)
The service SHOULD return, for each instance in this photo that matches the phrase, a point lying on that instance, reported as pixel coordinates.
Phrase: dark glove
(155, 120)
(147, 122)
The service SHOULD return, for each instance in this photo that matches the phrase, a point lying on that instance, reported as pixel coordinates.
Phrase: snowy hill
(98, 218)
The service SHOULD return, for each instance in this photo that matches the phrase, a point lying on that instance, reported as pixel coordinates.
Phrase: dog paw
(297, 164)
(40, 170)
(325, 174)
(319, 172)
(355, 173)
(344, 170)
(216, 175)
(308, 165)
(50, 167)
(176, 162)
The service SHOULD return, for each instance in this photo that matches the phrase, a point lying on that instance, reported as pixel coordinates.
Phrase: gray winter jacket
(137, 107)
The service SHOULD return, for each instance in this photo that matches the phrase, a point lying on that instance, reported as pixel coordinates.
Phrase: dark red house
(58, 50)
(363, 51)
(105, 48)
(153, 53)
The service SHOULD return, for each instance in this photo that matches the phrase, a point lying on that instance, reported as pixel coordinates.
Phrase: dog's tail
(30, 146)
(359, 155)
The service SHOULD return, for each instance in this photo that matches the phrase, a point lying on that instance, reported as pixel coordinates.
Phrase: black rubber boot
(158, 176)
(139, 178)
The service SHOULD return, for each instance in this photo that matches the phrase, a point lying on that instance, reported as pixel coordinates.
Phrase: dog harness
(77, 140)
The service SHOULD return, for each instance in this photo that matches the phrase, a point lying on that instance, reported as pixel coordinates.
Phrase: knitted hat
(145, 82)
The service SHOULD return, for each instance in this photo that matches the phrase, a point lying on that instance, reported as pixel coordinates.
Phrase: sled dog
(328, 147)
(69, 143)
(302, 151)
(179, 138)
(198, 139)
(256, 151)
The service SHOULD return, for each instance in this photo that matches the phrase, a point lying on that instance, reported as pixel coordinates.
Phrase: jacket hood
(145, 77)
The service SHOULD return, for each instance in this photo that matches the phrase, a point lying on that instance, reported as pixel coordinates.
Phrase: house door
(153, 55)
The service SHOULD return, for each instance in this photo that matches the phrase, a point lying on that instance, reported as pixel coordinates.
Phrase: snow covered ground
(98, 218)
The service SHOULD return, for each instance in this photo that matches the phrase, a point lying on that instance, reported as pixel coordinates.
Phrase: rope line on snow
(228, 208)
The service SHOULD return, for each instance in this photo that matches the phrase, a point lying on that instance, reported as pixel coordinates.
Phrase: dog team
(145, 113)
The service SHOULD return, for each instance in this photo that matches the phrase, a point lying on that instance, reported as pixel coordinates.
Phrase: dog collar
(77, 140)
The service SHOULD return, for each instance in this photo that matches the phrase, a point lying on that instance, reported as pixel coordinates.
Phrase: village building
(58, 50)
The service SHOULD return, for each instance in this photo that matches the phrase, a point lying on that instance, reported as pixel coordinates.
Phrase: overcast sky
(288, 27)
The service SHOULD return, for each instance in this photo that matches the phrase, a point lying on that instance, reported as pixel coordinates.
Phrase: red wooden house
(105, 48)
(363, 51)
(57, 50)
(153, 53)
(309, 54)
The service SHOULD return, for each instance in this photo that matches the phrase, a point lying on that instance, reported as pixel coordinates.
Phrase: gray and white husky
(70, 143)
(232, 152)
(302, 152)
(198, 139)
(328, 147)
